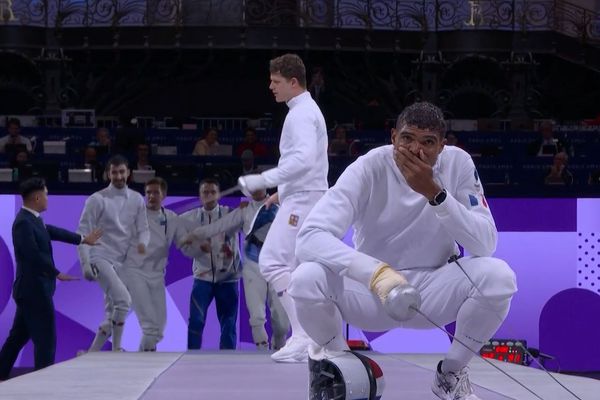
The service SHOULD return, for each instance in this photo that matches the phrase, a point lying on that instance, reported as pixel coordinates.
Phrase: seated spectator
(102, 143)
(90, 161)
(248, 166)
(339, 145)
(559, 173)
(12, 143)
(19, 159)
(547, 145)
(251, 143)
(143, 157)
(209, 145)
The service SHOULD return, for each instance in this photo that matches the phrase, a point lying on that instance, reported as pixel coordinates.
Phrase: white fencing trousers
(117, 303)
(277, 257)
(258, 293)
(148, 297)
(323, 298)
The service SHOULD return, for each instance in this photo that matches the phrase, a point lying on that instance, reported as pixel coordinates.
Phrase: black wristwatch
(439, 198)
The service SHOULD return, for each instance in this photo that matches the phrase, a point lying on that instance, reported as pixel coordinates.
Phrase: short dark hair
(289, 66)
(31, 185)
(423, 115)
(158, 181)
(13, 121)
(210, 181)
(117, 160)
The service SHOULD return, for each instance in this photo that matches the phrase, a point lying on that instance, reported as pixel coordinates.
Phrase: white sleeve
(141, 222)
(180, 231)
(229, 223)
(87, 222)
(466, 216)
(301, 130)
(320, 238)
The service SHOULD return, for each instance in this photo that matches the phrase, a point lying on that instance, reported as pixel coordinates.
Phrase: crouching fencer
(121, 214)
(254, 219)
(144, 274)
(410, 204)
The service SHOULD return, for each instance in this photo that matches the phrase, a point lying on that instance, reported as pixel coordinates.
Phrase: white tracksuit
(301, 178)
(256, 289)
(217, 265)
(396, 225)
(144, 275)
(121, 214)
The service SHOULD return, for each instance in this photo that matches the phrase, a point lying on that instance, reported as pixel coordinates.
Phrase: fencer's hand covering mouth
(417, 172)
(251, 183)
(90, 271)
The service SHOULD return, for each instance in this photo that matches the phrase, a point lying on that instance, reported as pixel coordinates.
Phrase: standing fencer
(410, 203)
(254, 219)
(216, 270)
(144, 274)
(301, 178)
(121, 214)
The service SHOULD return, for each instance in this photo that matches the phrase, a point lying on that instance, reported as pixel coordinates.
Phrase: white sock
(476, 322)
(288, 305)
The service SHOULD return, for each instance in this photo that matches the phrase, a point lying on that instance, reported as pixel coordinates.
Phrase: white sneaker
(453, 386)
(294, 351)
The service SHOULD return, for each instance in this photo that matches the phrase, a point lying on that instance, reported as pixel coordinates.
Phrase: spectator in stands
(559, 174)
(102, 143)
(251, 143)
(248, 166)
(90, 161)
(547, 145)
(21, 165)
(143, 157)
(13, 142)
(339, 145)
(209, 145)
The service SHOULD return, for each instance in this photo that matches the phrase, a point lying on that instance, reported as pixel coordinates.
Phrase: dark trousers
(34, 319)
(226, 296)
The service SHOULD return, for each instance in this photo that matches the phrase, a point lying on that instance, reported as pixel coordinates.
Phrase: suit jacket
(36, 273)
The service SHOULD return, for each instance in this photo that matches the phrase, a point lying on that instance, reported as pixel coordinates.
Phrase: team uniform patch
(473, 200)
(293, 221)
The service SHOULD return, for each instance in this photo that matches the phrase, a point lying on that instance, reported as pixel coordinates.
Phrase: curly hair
(423, 115)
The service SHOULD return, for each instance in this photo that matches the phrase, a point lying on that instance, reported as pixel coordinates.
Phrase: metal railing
(397, 15)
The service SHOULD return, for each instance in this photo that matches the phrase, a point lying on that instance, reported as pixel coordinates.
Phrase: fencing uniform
(396, 225)
(121, 214)
(144, 275)
(301, 180)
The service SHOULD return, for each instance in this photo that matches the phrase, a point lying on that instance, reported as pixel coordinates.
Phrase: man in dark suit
(35, 280)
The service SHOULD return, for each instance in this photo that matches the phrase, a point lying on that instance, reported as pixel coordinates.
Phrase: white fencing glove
(89, 271)
(399, 298)
(251, 183)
